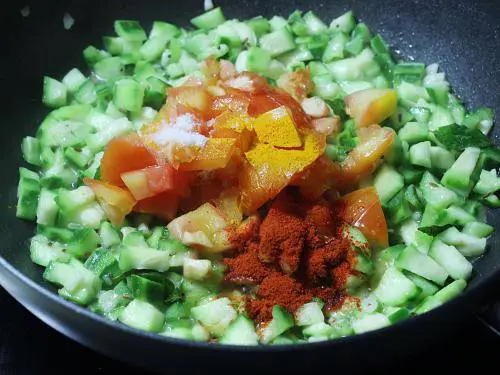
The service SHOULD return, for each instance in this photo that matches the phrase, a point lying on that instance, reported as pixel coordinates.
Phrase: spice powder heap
(297, 252)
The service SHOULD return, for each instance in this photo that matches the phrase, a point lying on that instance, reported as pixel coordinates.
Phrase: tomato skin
(115, 201)
(363, 210)
(124, 154)
(371, 106)
(374, 142)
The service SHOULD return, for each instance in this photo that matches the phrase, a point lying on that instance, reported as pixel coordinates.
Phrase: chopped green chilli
(264, 181)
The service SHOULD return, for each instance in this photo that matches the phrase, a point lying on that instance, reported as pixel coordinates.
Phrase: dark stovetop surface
(29, 347)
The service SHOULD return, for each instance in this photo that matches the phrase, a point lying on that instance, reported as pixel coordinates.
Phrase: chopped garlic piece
(315, 107)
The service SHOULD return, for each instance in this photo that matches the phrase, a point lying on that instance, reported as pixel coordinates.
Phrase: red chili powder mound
(246, 268)
(296, 253)
(277, 289)
(282, 235)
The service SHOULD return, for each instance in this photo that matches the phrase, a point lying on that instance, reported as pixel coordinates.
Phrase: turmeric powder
(277, 128)
(286, 161)
(269, 169)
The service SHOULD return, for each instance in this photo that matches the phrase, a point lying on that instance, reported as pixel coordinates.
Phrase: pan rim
(461, 299)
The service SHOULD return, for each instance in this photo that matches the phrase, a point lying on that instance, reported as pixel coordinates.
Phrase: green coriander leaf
(456, 137)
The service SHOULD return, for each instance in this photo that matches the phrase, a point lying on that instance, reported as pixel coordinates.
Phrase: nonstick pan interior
(462, 36)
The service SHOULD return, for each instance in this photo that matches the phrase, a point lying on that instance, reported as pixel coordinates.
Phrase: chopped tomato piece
(210, 67)
(258, 186)
(374, 142)
(204, 188)
(317, 178)
(230, 125)
(364, 211)
(266, 101)
(242, 140)
(186, 99)
(298, 84)
(232, 121)
(138, 182)
(215, 155)
(204, 228)
(230, 174)
(196, 98)
(228, 204)
(163, 205)
(124, 154)
(270, 169)
(216, 91)
(115, 201)
(262, 103)
(371, 106)
(277, 128)
(146, 182)
(234, 101)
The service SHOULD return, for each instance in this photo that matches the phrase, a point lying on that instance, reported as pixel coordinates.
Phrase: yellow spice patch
(276, 127)
(286, 162)
(271, 170)
(146, 134)
(229, 120)
(215, 155)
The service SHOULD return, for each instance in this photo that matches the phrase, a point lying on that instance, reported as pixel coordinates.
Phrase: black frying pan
(462, 35)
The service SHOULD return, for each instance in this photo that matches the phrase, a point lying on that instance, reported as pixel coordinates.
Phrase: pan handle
(490, 317)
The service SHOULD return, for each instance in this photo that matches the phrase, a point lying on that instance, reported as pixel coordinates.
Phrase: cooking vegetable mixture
(264, 181)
